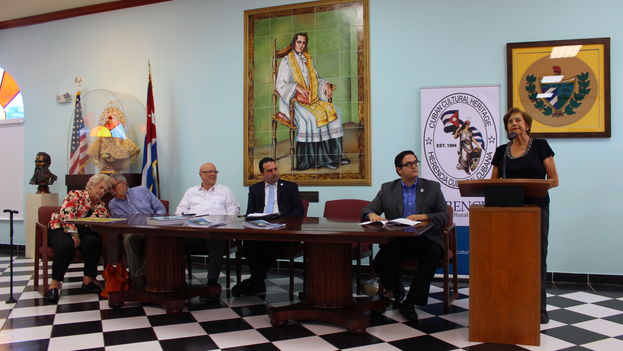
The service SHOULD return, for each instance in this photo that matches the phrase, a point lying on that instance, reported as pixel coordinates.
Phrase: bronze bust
(42, 176)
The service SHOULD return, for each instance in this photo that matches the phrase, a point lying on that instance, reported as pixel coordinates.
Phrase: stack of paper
(202, 223)
(262, 224)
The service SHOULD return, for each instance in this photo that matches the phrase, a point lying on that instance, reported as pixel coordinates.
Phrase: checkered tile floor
(581, 319)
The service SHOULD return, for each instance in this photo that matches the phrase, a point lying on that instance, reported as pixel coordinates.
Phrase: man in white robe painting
(319, 125)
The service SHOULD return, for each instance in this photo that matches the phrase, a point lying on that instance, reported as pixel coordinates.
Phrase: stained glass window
(10, 97)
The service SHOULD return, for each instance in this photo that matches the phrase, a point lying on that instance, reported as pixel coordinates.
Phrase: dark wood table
(328, 249)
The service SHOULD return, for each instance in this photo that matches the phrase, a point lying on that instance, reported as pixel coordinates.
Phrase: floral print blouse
(77, 204)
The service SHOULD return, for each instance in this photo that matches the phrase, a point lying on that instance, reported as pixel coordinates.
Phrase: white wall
(12, 169)
(196, 49)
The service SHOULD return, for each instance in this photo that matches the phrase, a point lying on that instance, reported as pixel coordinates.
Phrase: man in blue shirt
(417, 199)
(128, 201)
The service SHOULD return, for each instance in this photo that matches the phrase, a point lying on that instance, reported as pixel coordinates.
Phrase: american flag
(78, 157)
(150, 174)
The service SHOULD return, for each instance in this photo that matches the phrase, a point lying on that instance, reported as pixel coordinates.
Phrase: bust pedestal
(33, 202)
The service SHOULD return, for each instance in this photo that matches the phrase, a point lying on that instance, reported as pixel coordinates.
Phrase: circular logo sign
(460, 138)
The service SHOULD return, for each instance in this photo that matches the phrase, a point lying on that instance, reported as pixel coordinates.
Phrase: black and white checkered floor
(582, 318)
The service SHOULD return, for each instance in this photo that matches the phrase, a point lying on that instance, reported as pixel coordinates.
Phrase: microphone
(511, 137)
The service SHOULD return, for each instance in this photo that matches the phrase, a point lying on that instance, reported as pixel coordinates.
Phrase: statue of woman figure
(112, 151)
(469, 149)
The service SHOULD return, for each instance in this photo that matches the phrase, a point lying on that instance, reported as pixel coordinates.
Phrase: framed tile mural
(307, 92)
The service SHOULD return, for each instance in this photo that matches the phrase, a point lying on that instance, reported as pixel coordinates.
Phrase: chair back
(450, 217)
(45, 213)
(305, 207)
(344, 208)
(165, 203)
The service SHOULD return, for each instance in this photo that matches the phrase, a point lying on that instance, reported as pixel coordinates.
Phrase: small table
(328, 248)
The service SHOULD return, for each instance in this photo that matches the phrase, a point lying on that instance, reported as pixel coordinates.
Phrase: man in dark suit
(416, 199)
(272, 195)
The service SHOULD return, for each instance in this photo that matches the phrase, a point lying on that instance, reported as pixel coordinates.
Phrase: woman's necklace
(509, 154)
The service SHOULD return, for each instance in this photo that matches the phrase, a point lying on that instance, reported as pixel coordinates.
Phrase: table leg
(165, 279)
(330, 293)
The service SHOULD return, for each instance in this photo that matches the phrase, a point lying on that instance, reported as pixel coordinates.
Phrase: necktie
(270, 204)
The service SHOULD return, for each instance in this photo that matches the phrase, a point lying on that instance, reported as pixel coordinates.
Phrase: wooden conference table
(328, 249)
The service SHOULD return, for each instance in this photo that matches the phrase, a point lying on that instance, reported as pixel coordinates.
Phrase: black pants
(544, 235)
(391, 254)
(63, 245)
(261, 255)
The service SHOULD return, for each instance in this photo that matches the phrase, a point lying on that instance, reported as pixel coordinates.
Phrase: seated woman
(64, 238)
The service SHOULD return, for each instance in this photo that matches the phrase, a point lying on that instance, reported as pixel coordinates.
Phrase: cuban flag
(451, 121)
(151, 178)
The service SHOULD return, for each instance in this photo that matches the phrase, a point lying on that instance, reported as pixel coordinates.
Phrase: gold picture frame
(319, 135)
(564, 85)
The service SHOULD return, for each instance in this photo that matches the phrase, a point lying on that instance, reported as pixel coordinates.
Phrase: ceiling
(12, 9)
(17, 13)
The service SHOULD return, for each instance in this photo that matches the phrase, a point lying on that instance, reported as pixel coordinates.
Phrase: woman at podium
(528, 158)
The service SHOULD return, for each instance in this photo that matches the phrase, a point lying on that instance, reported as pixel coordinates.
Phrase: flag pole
(152, 94)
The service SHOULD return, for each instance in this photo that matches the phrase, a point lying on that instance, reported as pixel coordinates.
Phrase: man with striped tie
(273, 195)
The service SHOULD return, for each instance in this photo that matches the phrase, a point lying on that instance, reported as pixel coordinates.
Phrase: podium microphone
(11, 212)
(511, 137)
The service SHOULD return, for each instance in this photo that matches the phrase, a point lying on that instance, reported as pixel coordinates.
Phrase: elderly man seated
(128, 201)
(213, 199)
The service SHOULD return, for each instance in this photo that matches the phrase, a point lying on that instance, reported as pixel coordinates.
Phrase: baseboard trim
(17, 249)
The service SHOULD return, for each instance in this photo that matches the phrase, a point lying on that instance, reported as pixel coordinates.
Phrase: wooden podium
(504, 261)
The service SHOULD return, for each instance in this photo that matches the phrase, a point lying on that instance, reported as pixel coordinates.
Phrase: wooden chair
(278, 117)
(449, 258)
(43, 252)
(350, 208)
(199, 248)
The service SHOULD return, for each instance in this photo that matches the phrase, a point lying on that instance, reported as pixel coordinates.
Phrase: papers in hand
(202, 223)
(398, 222)
(262, 224)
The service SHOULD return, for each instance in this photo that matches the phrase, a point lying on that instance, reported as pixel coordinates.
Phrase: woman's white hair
(98, 178)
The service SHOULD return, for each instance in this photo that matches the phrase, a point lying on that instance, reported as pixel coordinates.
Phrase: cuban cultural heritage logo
(460, 138)
(558, 94)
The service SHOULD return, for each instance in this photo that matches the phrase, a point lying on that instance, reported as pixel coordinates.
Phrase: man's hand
(373, 217)
(302, 95)
(328, 90)
(418, 217)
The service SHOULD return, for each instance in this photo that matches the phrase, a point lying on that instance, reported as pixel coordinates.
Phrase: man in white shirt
(213, 199)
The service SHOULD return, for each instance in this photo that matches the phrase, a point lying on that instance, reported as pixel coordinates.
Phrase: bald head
(208, 174)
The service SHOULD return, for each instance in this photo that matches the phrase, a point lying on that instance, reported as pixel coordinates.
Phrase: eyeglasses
(411, 164)
(210, 172)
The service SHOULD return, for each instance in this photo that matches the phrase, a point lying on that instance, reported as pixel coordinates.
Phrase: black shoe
(344, 161)
(248, 288)
(544, 317)
(407, 310)
(91, 288)
(399, 293)
(52, 295)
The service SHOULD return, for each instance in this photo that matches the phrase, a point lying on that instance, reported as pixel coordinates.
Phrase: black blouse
(528, 165)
